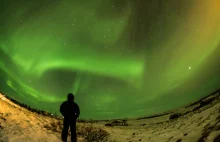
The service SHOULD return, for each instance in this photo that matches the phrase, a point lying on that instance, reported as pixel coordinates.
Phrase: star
(189, 68)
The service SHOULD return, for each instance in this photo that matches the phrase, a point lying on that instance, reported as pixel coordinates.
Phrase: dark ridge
(203, 98)
(153, 116)
(201, 101)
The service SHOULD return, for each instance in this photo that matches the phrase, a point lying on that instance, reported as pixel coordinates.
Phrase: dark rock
(179, 140)
(108, 124)
(175, 116)
(204, 136)
(170, 138)
(3, 118)
(206, 102)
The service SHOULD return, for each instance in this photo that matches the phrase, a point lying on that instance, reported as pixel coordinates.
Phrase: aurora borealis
(122, 58)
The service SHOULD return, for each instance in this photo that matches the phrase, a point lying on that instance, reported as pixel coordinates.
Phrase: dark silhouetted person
(70, 111)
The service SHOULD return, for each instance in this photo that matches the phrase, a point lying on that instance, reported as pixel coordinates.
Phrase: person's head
(70, 97)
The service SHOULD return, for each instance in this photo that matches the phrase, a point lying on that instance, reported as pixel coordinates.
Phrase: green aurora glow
(121, 58)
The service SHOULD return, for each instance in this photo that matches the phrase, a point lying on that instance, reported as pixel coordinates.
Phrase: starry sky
(124, 58)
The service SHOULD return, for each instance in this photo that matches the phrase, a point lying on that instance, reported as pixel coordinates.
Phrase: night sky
(121, 58)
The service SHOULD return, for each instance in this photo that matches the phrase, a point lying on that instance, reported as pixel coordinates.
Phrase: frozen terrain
(197, 122)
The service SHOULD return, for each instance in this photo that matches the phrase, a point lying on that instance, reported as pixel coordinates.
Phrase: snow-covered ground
(197, 124)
